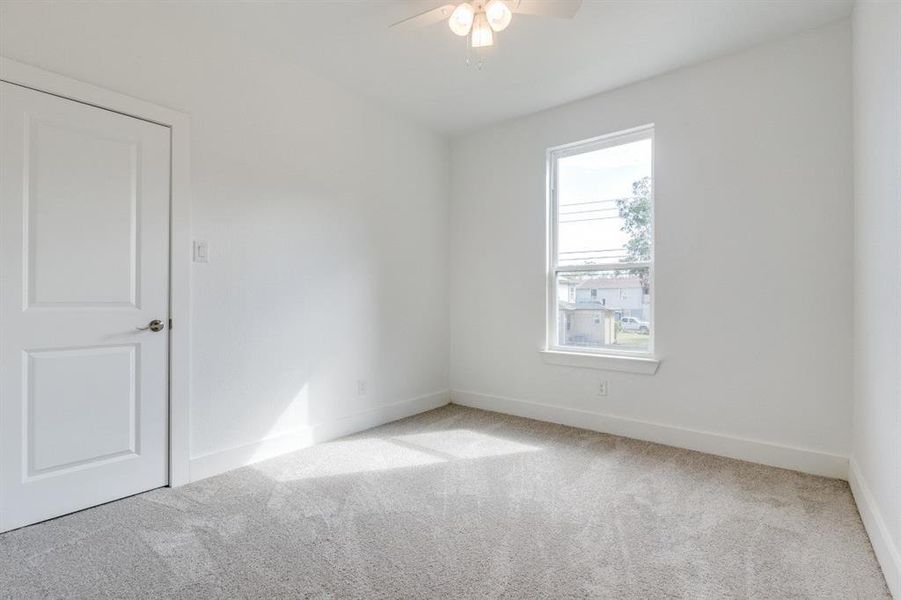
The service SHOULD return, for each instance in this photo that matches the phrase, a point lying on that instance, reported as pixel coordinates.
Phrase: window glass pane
(608, 309)
(604, 205)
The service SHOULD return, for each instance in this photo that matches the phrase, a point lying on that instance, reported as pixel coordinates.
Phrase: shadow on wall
(319, 291)
(306, 329)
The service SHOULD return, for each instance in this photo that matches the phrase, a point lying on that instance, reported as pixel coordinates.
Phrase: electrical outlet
(602, 388)
(362, 387)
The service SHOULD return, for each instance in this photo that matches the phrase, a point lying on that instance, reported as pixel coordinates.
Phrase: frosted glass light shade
(498, 14)
(482, 35)
(460, 21)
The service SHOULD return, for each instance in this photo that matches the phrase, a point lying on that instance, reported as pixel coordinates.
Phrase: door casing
(180, 244)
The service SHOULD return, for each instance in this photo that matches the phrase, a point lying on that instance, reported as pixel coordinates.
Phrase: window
(600, 240)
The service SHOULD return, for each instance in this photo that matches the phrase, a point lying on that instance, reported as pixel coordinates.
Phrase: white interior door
(84, 262)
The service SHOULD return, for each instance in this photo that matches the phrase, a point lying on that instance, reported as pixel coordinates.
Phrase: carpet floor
(461, 503)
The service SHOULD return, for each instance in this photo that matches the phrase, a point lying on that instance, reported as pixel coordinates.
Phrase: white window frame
(553, 268)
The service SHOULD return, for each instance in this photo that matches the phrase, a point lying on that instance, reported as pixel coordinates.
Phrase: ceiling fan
(479, 20)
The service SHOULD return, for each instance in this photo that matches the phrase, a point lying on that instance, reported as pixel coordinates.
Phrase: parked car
(633, 324)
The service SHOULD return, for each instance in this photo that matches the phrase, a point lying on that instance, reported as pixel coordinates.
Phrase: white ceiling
(537, 63)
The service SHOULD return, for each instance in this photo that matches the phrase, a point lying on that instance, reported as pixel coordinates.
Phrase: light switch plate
(201, 252)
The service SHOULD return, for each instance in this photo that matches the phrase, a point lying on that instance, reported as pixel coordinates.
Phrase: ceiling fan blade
(424, 19)
(565, 9)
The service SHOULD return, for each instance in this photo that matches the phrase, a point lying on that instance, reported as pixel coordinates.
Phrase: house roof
(610, 283)
(585, 306)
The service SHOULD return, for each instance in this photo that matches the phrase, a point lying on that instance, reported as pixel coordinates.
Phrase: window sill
(604, 362)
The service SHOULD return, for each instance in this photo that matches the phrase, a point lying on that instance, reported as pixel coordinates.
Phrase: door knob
(154, 325)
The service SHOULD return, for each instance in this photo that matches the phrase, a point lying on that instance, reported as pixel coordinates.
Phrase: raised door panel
(82, 198)
(81, 408)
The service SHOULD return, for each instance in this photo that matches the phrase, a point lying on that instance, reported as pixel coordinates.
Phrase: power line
(589, 219)
(582, 212)
(561, 204)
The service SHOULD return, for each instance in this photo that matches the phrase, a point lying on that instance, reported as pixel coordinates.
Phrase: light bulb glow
(460, 21)
(498, 14)
(482, 35)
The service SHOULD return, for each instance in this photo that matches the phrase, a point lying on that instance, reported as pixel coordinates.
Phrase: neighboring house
(588, 311)
(624, 295)
(566, 290)
(585, 324)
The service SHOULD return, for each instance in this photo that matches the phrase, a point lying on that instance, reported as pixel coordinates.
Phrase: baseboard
(787, 457)
(886, 549)
(219, 462)
(323, 432)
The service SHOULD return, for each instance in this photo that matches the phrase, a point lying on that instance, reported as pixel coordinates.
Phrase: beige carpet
(460, 503)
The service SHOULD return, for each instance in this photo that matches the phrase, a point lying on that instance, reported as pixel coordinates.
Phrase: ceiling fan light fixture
(498, 14)
(461, 19)
(482, 35)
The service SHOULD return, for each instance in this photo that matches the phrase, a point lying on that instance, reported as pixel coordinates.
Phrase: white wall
(876, 457)
(754, 268)
(327, 223)
(326, 218)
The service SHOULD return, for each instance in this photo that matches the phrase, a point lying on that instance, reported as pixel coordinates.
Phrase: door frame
(180, 245)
